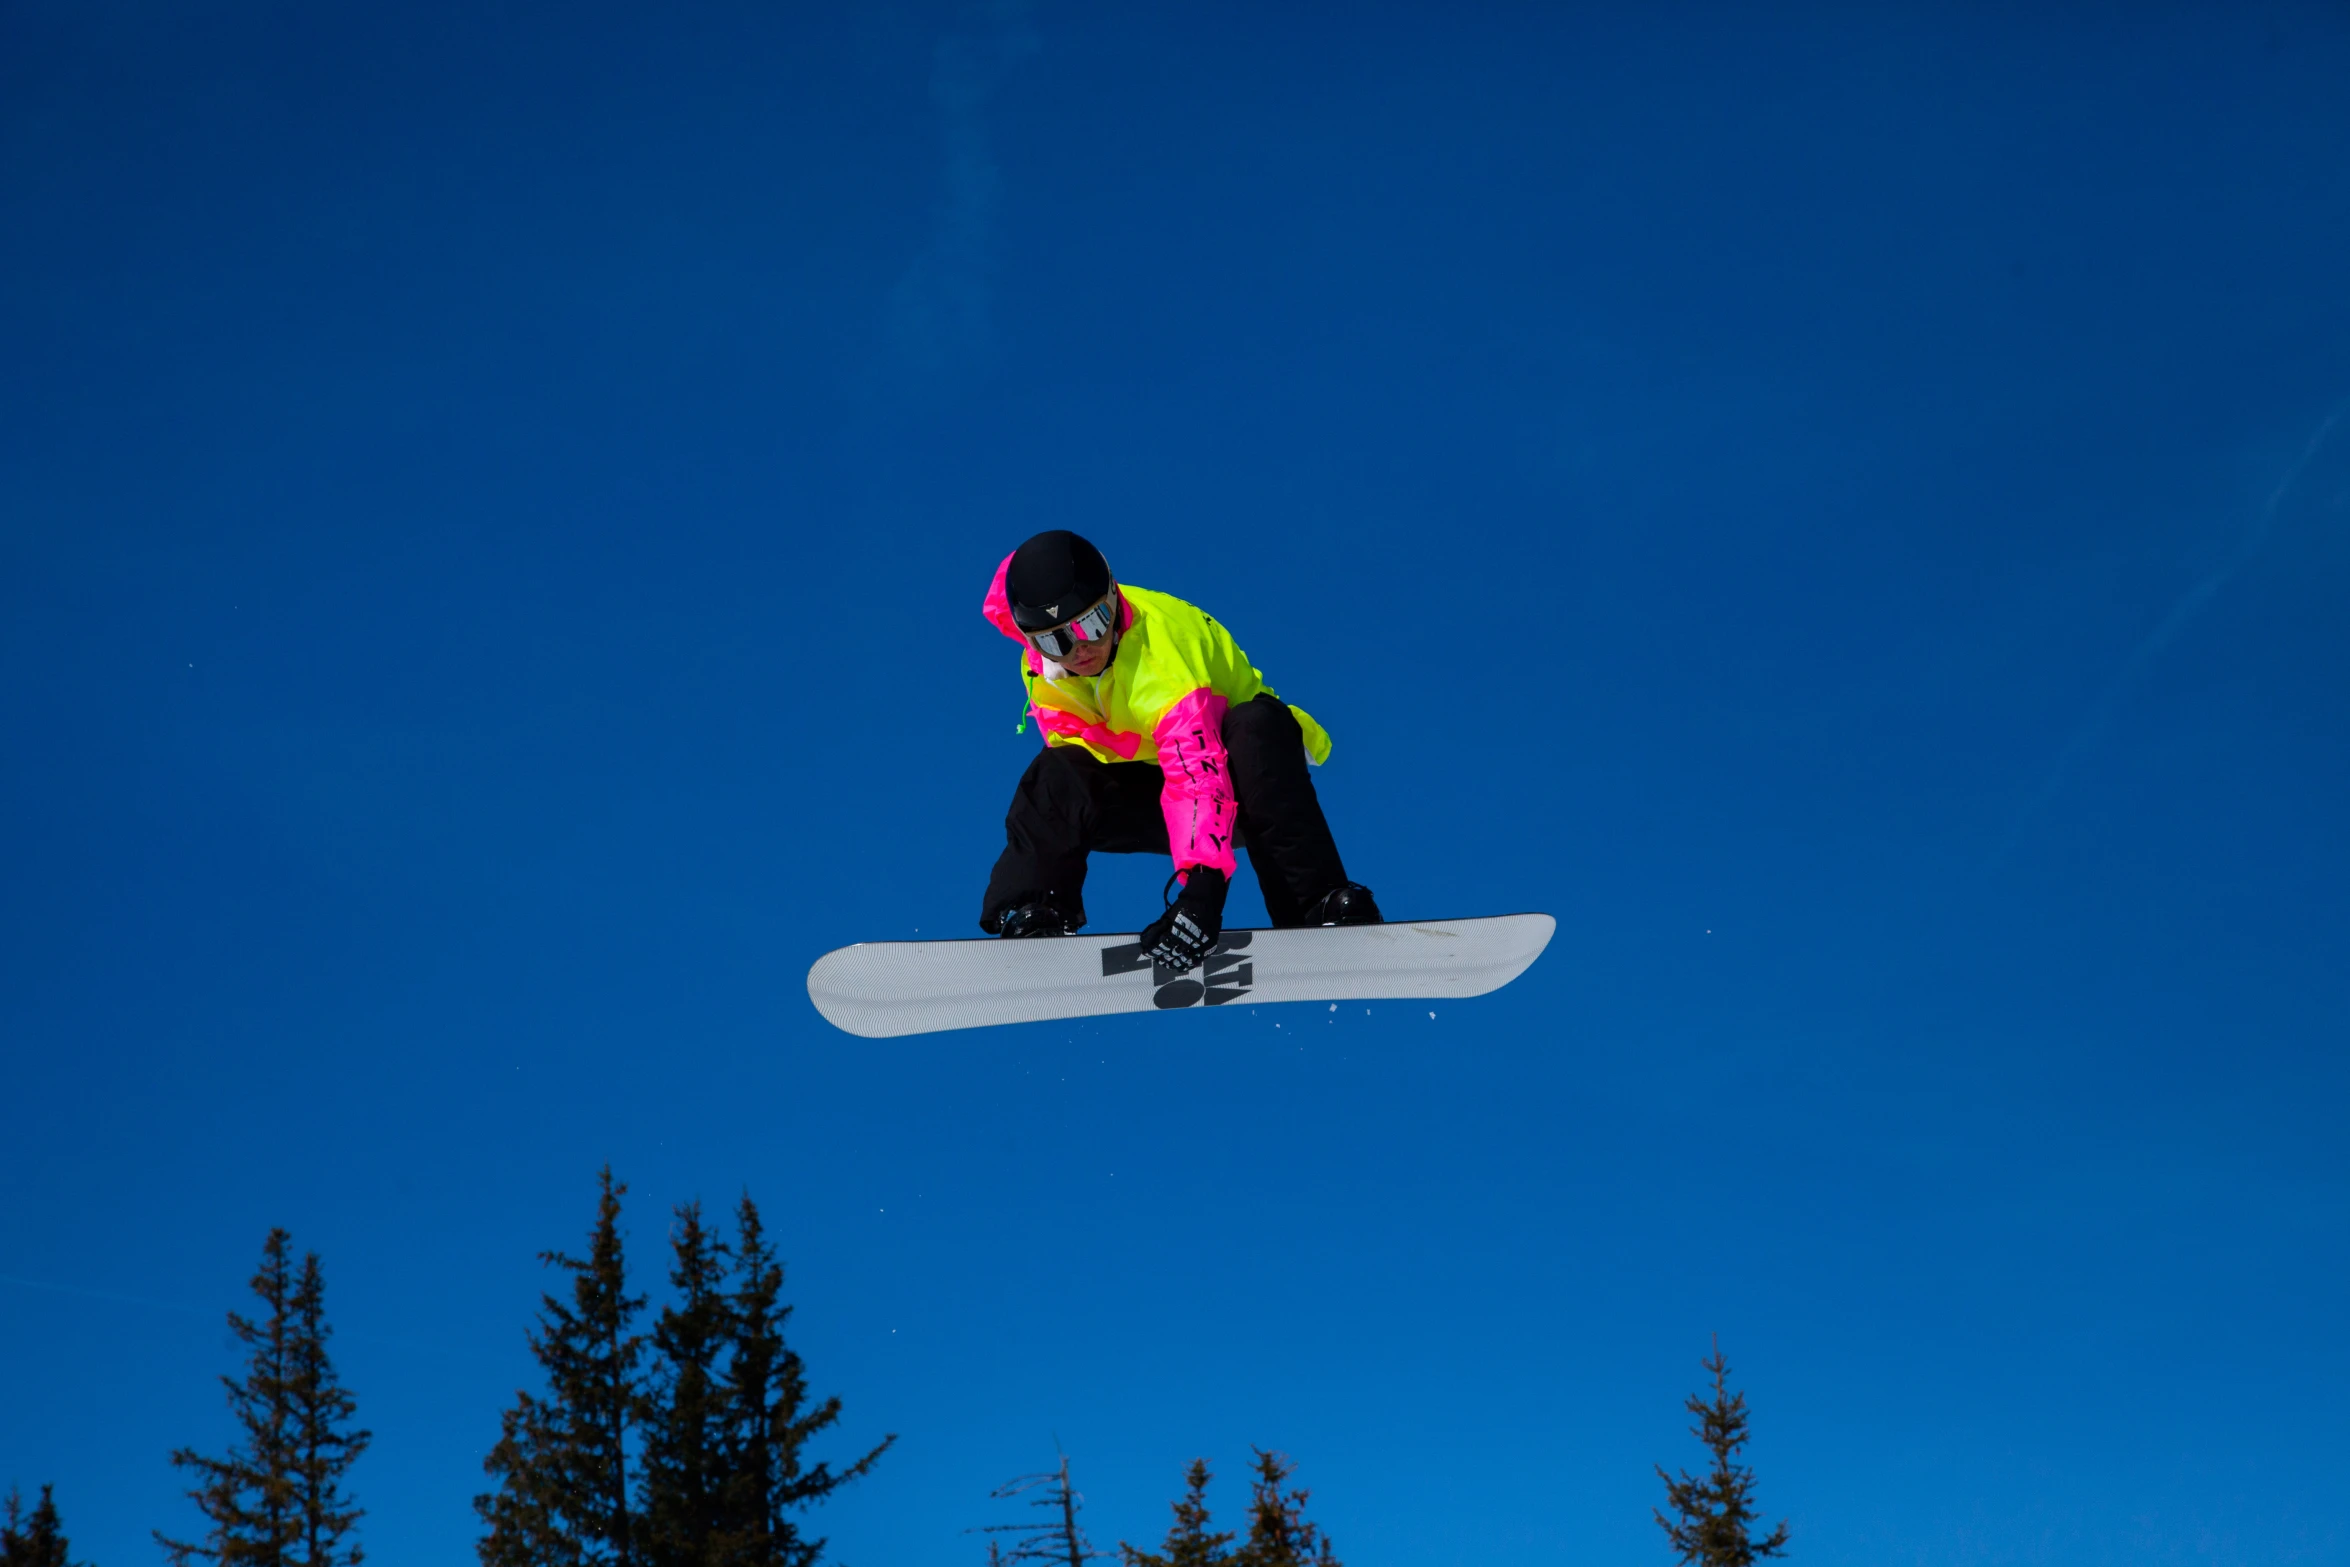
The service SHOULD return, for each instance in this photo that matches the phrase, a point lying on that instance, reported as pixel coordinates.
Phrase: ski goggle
(1095, 624)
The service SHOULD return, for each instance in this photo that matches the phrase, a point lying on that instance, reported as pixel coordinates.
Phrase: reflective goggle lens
(1095, 624)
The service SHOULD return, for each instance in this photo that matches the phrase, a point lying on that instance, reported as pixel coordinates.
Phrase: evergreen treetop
(1712, 1520)
(1279, 1534)
(684, 1478)
(562, 1462)
(37, 1540)
(276, 1498)
(768, 1419)
(528, 1523)
(1189, 1542)
(679, 1448)
(324, 1444)
(247, 1498)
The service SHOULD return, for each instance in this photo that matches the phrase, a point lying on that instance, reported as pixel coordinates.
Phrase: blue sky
(1849, 509)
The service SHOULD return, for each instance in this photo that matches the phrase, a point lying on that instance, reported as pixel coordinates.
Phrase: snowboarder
(1159, 738)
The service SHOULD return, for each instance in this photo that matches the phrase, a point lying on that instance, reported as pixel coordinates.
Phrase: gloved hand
(1179, 938)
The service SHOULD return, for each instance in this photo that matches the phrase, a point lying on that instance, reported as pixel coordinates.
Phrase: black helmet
(1054, 578)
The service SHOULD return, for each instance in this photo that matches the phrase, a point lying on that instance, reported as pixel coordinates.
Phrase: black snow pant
(1070, 803)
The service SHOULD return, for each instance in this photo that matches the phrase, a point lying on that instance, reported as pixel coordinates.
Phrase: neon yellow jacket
(1162, 700)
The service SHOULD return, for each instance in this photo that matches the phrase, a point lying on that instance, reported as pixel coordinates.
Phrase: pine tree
(768, 1422)
(528, 1523)
(1189, 1541)
(277, 1499)
(37, 1541)
(324, 1444)
(683, 1484)
(1055, 1538)
(708, 1442)
(249, 1498)
(1278, 1532)
(561, 1463)
(1713, 1517)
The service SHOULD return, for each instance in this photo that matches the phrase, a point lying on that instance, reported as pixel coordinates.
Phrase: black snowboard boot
(1035, 918)
(1348, 905)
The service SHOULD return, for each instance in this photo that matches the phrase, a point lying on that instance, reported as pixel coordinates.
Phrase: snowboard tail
(884, 989)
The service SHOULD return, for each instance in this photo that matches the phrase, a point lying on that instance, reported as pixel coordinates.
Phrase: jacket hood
(998, 610)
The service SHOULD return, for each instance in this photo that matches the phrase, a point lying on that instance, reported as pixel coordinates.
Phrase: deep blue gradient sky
(1851, 511)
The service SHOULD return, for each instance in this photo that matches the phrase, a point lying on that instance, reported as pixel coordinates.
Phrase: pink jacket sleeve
(1198, 800)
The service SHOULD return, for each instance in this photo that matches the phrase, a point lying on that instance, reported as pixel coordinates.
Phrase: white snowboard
(884, 988)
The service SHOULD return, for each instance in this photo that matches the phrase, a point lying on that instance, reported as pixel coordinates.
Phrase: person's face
(1087, 658)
